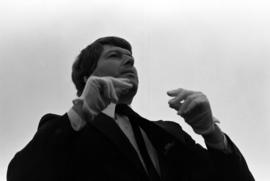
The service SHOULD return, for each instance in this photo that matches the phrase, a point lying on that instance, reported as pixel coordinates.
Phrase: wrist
(216, 136)
(76, 121)
(80, 107)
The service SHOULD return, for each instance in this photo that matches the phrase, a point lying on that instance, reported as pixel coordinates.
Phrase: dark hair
(86, 62)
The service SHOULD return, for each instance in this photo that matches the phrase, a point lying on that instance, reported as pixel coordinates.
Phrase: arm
(194, 107)
(45, 156)
(226, 166)
(98, 93)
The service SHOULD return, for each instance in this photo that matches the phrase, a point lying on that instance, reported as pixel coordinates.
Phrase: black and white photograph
(134, 90)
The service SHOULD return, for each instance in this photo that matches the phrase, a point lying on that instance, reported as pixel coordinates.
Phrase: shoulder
(169, 126)
(50, 118)
(172, 128)
(176, 130)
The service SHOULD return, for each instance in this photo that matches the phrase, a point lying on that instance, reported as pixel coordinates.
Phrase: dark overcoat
(102, 152)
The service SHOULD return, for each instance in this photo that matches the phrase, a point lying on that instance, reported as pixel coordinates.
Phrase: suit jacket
(101, 151)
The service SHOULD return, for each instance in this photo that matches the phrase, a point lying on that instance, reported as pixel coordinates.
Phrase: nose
(129, 61)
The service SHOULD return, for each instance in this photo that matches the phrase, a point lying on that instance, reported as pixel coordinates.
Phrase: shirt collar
(110, 110)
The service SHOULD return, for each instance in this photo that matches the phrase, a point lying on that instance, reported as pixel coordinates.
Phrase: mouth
(128, 74)
(131, 75)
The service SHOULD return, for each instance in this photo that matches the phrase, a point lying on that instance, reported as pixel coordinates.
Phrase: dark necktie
(152, 173)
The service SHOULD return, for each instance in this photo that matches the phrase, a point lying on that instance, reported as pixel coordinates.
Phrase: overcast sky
(218, 47)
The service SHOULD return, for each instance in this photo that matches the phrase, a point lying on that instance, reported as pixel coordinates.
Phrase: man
(102, 138)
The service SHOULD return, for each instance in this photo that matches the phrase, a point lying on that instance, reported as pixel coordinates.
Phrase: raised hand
(194, 107)
(99, 92)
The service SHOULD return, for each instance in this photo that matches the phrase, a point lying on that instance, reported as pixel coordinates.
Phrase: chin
(127, 98)
(127, 102)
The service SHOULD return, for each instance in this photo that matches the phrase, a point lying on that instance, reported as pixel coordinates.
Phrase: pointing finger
(121, 82)
(174, 92)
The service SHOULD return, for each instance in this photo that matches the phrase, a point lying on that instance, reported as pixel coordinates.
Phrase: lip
(128, 72)
(129, 75)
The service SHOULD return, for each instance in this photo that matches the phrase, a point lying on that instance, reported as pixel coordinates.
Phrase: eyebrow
(119, 51)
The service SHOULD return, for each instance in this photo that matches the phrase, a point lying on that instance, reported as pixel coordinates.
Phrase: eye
(114, 55)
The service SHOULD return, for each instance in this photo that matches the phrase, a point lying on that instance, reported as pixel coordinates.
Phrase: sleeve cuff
(223, 145)
(77, 123)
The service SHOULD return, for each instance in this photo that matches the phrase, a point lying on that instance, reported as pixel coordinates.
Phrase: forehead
(111, 48)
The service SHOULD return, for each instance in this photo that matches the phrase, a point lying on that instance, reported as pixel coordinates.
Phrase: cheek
(107, 69)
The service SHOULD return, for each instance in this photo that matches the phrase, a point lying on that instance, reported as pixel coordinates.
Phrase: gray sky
(218, 47)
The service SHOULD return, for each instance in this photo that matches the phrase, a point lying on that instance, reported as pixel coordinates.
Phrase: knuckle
(94, 80)
(195, 101)
(202, 94)
(178, 90)
(109, 82)
(199, 93)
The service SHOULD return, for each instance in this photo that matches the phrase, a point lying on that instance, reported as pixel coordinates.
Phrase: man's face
(118, 62)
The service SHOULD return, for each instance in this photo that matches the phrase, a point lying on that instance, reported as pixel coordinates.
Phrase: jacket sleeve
(223, 166)
(36, 160)
(230, 166)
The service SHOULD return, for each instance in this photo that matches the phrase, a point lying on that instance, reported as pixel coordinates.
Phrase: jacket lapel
(161, 136)
(107, 126)
(165, 137)
(159, 132)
